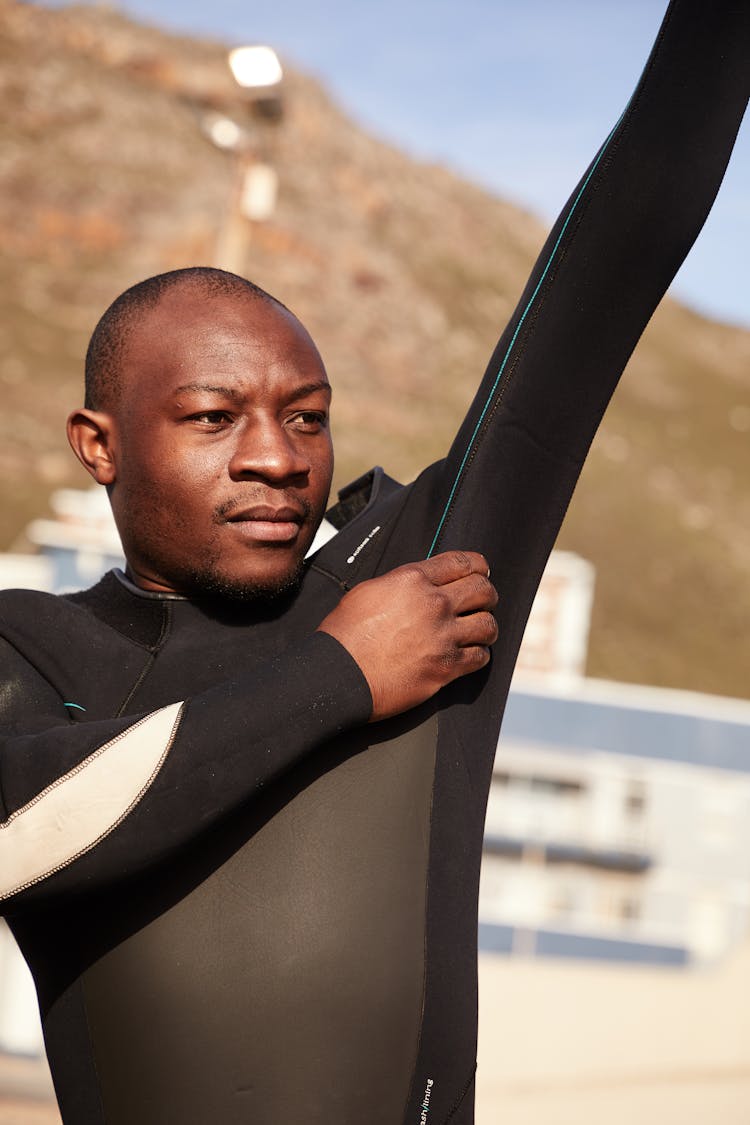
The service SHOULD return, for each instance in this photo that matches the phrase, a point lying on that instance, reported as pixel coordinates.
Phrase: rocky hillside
(403, 273)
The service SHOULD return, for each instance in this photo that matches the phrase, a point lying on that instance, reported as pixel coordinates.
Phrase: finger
(467, 595)
(470, 659)
(452, 565)
(475, 629)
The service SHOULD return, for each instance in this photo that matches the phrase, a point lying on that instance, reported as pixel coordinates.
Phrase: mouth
(265, 524)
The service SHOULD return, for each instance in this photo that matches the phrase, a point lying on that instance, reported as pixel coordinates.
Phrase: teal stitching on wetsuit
(76, 705)
(533, 297)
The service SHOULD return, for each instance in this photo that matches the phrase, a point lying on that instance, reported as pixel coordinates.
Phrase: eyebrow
(209, 388)
(236, 396)
(308, 389)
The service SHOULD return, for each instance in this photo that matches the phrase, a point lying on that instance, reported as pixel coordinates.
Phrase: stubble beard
(205, 577)
(208, 582)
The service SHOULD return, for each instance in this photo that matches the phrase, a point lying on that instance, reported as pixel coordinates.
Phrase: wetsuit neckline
(152, 595)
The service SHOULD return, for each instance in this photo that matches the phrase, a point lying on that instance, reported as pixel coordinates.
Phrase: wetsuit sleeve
(507, 481)
(82, 804)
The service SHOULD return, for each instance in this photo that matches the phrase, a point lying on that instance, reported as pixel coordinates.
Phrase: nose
(266, 450)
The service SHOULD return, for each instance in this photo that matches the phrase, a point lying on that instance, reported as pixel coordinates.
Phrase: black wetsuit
(254, 907)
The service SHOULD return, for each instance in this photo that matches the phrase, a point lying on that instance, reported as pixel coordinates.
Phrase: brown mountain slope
(404, 275)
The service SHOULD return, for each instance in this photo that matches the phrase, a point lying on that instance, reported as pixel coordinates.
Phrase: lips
(263, 523)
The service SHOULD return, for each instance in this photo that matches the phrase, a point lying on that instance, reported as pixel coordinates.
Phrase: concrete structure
(26, 572)
(618, 825)
(81, 543)
(555, 641)
(585, 1043)
(20, 1032)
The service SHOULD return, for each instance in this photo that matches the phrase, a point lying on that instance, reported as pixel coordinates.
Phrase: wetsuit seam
(113, 628)
(457, 1105)
(524, 330)
(140, 679)
(488, 415)
(425, 927)
(503, 390)
(148, 666)
(340, 582)
(166, 627)
(92, 1053)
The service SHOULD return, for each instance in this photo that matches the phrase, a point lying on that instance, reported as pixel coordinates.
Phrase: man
(256, 905)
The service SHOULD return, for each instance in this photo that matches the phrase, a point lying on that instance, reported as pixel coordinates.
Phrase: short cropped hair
(108, 341)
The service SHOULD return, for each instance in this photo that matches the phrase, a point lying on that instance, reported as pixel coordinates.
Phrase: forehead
(189, 337)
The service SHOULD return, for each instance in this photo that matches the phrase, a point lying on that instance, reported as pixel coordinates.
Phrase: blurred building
(20, 1030)
(73, 549)
(618, 825)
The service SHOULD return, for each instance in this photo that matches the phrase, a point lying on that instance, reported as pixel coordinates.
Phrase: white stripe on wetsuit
(79, 809)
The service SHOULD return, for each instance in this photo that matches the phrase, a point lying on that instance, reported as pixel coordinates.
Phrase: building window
(538, 783)
(630, 909)
(635, 799)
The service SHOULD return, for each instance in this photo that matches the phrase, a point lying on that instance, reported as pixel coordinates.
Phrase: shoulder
(29, 609)
(38, 633)
(362, 495)
(32, 621)
(32, 634)
(364, 509)
(85, 648)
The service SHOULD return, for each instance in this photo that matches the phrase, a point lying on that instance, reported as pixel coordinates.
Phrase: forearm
(87, 803)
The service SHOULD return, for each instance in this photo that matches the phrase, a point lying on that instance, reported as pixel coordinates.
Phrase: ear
(90, 433)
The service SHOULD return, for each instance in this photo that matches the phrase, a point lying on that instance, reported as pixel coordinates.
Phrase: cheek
(159, 463)
(166, 491)
(322, 466)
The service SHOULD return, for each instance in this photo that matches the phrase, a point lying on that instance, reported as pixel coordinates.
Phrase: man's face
(222, 448)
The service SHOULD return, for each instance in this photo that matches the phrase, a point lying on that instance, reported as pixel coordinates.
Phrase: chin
(260, 587)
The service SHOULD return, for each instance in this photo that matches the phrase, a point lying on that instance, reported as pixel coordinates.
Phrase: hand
(418, 627)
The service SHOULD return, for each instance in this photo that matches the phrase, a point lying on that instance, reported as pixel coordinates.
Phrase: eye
(310, 421)
(211, 418)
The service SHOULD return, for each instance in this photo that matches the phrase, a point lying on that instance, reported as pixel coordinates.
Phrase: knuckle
(419, 573)
(439, 602)
(463, 560)
(473, 657)
(490, 625)
(482, 586)
(411, 574)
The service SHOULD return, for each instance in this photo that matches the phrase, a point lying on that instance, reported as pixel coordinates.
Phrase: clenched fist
(417, 628)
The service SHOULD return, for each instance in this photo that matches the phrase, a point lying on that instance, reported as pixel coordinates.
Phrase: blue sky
(516, 94)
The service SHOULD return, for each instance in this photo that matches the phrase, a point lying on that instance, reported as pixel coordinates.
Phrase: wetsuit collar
(153, 595)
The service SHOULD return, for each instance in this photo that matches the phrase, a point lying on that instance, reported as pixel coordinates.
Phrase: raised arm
(506, 483)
